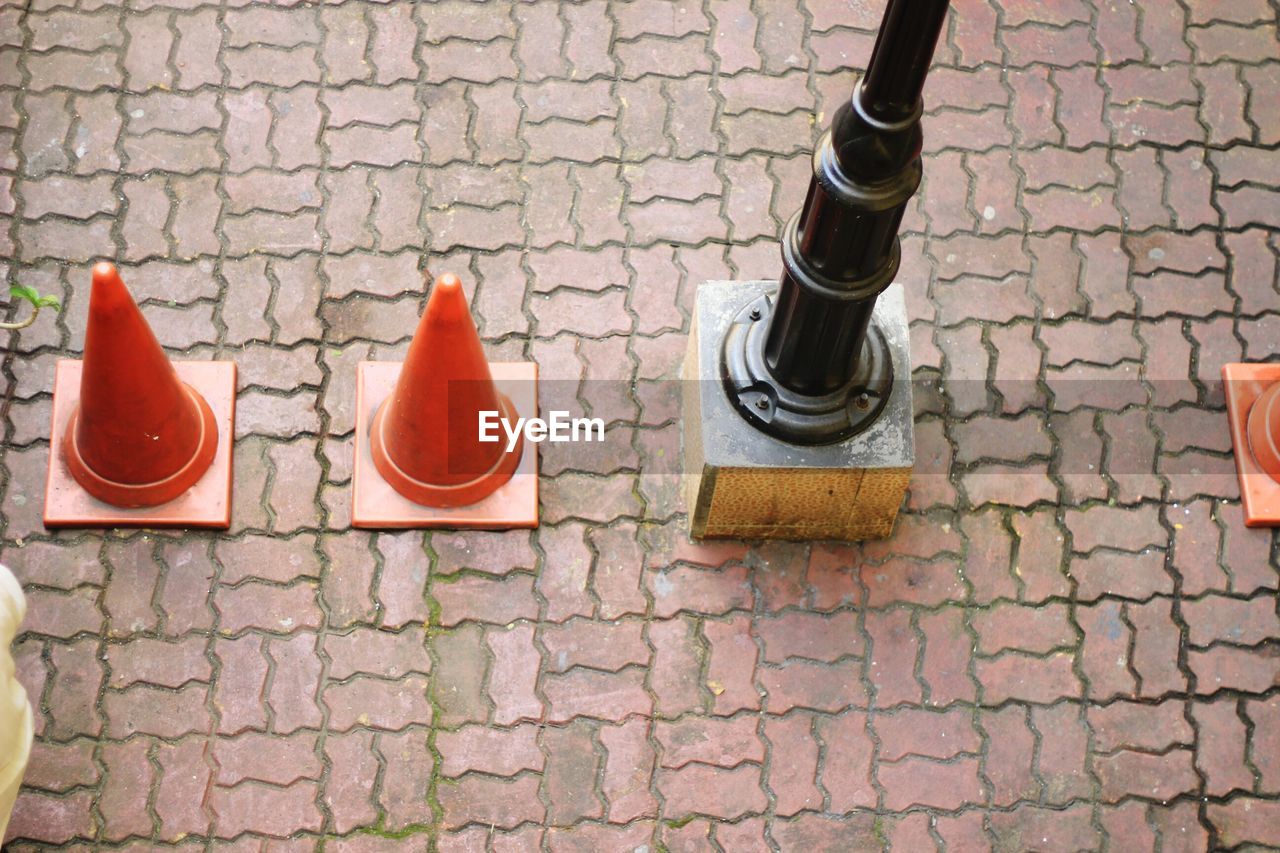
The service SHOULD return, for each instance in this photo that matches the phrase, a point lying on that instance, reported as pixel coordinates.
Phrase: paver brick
(922, 782)
(945, 661)
(810, 636)
(716, 741)
(77, 678)
(1159, 777)
(267, 607)
(64, 614)
(733, 792)
(489, 600)
(1245, 819)
(404, 786)
(1064, 751)
(348, 792)
(1155, 645)
(570, 774)
(54, 820)
(158, 663)
(381, 653)
(674, 669)
(1227, 667)
(1127, 824)
(927, 734)
(1245, 553)
(1262, 714)
(272, 811)
(732, 656)
(684, 588)
(69, 69)
(499, 752)
(891, 662)
(1104, 655)
(58, 767)
(1072, 826)
(1232, 620)
(794, 753)
(265, 758)
(1011, 756)
(628, 767)
(493, 802)
(364, 700)
(143, 709)
(184, 778)
(295, 683)
(804, 684)
(1221, 746)
(128, 777)
(1134, 725)
(239, 690)
(847, 770)
(346, 588)
(606, 646)
(617, 572)
(1027, 678)
(604, 696)
(1133, 576)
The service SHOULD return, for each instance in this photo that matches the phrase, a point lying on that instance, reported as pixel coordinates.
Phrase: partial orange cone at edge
(1252, 392)
(1264, 431)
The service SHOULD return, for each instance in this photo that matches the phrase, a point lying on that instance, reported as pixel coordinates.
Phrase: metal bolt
(762, 403)
(862, 401)
(755, 314)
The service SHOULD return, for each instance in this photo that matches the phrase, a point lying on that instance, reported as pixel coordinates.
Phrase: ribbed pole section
(821, 364)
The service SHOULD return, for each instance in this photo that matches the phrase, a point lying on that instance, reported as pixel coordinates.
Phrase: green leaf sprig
(30, 294)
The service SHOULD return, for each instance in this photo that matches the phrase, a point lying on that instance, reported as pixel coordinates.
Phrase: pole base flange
(781, 412)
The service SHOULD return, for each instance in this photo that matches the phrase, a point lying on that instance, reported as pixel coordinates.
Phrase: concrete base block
(741, 483)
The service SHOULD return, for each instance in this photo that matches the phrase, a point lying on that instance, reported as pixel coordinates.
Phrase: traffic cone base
(1253, 410)
(431, 494)
(377, 504)
(195, 499)
(145, 494)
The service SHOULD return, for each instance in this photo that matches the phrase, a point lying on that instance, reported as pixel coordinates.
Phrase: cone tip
(449, 283)
(104, 272)
(107, 285)
(447, 298)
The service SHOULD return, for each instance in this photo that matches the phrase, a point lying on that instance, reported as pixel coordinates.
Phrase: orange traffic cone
(1264, 431)
(424, 438)
(1253, 411)
(133, 436)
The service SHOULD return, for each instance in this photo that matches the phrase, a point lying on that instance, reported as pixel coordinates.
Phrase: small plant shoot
(30, 294)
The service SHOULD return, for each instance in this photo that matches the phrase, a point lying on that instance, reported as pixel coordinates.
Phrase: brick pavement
(1070, 642)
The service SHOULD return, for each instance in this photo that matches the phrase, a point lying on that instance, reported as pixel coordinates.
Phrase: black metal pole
(809, 366)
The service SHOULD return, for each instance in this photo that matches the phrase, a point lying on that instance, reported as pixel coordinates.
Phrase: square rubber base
(207, 504)
(1259, 494)
(375, 504)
